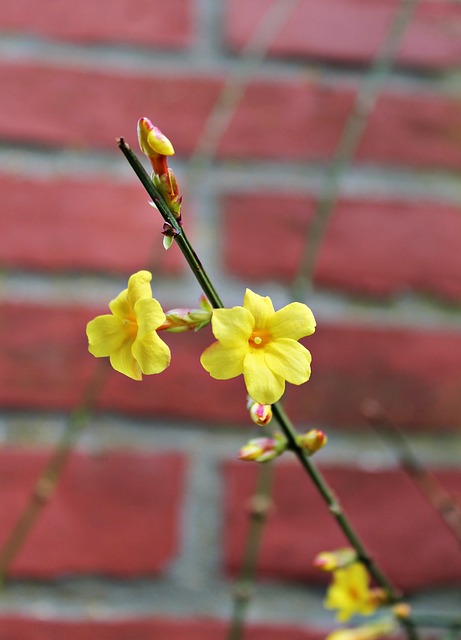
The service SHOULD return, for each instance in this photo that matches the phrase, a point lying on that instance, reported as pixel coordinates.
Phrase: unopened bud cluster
(179, 320)
(312, 441)
(157, 148)
(263, 449)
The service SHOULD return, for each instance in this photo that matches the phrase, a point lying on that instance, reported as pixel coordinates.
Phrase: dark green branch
(287, 427)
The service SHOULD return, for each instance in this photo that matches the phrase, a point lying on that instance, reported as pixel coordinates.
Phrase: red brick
(81, 224)
(143, 629)
(371, 247)
(404, 534)
(86, 109)
(120, 21)
(352, 32)
(113, 513)
(278, 120)
(420, 130)
(415, 373)
(292, 120)
(303, 121)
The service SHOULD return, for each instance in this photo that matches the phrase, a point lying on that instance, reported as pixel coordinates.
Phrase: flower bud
(154, 145)
(261, 414)
(152, 141)
(332, 560)
(179, 320)
(402, 610)
(167, 184)
(263, 449)
(312, 441)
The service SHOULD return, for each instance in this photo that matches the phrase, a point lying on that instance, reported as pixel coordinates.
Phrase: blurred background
(318, 148)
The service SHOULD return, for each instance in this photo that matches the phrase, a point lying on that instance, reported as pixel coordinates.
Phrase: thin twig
(351, 136)
(258, 512)
(236, 82)
(48, 479)
(441, 501)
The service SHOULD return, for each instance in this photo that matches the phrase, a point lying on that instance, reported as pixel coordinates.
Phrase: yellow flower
(379, 629)
(128, 336)
(262, 344)
(350, 593)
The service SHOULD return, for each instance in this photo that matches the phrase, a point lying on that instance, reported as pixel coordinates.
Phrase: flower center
(354, 592)
(131, 326)
(259, 338)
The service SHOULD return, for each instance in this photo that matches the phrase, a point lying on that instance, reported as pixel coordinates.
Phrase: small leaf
(167, 242)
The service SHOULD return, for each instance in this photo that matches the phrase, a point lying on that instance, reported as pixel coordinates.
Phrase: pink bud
(259, 450)
(332, 560)
(261, 414)
(312, 441)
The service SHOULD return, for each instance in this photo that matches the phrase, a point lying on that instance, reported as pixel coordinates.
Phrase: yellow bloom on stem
(374, 631)
(350, 593)
(128, 336)
(262, 344)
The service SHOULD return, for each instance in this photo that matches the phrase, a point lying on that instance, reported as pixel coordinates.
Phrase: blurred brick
(13, 627)
(403, 532)
(413, 372)
(44, 364)
(168, 25)
(348, 31)
(113, 513)
(81, 224)
(416, 129)
(371, 247)
(85, 109)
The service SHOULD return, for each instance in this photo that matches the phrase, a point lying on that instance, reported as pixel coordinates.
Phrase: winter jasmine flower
(128, 335)
(262, 344)
(350, 593)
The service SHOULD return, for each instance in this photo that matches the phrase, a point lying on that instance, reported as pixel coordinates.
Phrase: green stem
(49, 477)
(333, 503)
(341, 518)
(260, 506)
(287, 427)
(169, 217)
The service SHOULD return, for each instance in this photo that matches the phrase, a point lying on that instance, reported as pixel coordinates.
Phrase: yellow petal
(159, 143)
(105, 335)
(151, 139)
(232, 327)
(263, 385)
(139, 287)
(289, 359)
(295, 321)
(120, 306)
(123, 361)
(149, 316)
(223, 363)
(260, 308)
(151, 353)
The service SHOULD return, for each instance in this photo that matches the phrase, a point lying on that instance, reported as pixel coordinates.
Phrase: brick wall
(149, 519)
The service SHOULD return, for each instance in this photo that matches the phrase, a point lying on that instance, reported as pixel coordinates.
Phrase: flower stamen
(259, 338)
